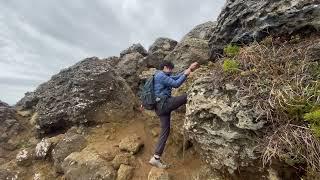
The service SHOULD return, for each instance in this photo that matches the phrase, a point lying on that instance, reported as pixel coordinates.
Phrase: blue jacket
(163, 83)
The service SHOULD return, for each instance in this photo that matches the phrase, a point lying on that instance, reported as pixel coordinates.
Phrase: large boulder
(158, 51)
(224, 129)
(129, 68)
(87, 164)
(162, 44)
(201, 31)
(188, 51)
(71, 142)
(27, 102)
(192, 48)
(243, 22)
(74, 95)
(135, 48)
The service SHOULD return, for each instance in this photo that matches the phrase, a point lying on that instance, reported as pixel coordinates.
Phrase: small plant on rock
(231, 50)
(314, 119)
(230, 66)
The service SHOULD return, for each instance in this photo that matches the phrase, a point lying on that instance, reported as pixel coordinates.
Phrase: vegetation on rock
(279, 80)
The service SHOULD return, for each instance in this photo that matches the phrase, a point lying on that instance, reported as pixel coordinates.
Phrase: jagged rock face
(28, 101)
(70, 95)
(224, 129)
(135, 48)
(189, 51)
(162, 44)
(193, 47)
(129, 68)
(201, 31)
(113, 60)
(245, 21)
(9, 126)
(158, 51)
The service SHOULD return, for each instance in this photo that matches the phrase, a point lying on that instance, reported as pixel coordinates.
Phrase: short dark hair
(164, 63)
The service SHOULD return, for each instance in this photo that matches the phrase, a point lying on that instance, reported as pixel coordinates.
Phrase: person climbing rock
(164, 81)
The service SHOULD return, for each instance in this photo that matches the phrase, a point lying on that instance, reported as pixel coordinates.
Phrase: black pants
(165, 115)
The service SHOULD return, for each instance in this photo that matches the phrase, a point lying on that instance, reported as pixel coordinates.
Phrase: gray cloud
(38, 38)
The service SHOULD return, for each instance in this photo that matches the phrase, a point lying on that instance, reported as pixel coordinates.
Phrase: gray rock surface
(25, 157)
(42, 148)
(129, 69)
(223, 128)
(135, 48)
(9, 126)
(29, 101)
(162, 44)
(113, 60)
(246, 21)
(158, 51)
(188, 51)
(71, 143)
(68, 97)
(192, 48)
(201, 31)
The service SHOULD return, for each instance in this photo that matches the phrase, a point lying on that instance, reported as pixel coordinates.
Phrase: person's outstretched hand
(194, 66)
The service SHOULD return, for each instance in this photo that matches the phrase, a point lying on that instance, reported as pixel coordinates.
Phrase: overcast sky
(40, 37)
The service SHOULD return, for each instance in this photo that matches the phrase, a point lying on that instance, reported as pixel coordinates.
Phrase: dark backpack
(147, 95)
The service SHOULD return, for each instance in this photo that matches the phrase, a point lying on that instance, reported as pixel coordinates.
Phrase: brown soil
(109, 135)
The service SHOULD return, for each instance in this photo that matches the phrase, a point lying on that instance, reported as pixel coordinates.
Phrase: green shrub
(314, 119)
(230, 66)
(231, 50)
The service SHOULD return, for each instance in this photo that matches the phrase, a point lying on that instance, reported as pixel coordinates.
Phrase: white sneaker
(157, 163)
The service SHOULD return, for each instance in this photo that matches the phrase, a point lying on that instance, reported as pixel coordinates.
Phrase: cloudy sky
(38, 38)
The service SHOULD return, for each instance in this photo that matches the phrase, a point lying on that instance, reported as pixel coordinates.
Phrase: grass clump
(230, 66)
(231, 50)
(314, 119)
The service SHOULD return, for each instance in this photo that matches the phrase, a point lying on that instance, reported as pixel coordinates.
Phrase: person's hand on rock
(194, 66)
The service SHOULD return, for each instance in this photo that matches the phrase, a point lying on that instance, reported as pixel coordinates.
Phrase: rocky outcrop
(224, 129)
(113, 60)
(188, 51)
(158, 51)
(243, 22)
(69, 96)
(201, 31)
(129, 69)
(29, 101)
(193, 47)
(9, 126)
(135, 48)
